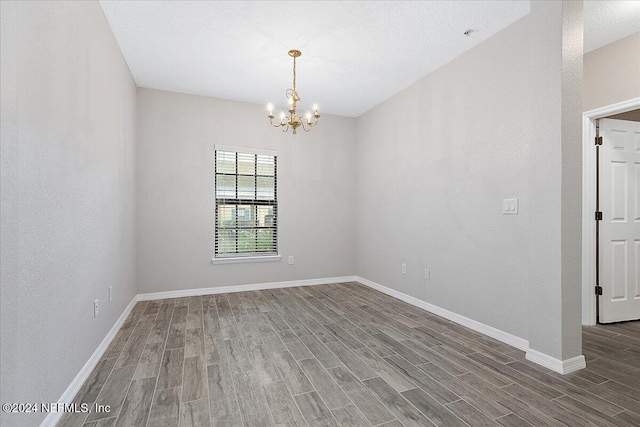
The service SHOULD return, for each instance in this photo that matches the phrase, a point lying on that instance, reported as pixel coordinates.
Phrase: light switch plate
(510, 206)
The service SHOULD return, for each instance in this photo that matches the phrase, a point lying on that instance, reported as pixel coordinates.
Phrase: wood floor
(343, 355)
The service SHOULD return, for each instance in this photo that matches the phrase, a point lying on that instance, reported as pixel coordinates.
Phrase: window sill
(243, 259)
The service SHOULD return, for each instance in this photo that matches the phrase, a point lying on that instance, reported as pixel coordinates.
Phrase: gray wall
(316, 192)
(555, 179)
(612, 73)
(68, 194)
(435, 161)
(633, 116)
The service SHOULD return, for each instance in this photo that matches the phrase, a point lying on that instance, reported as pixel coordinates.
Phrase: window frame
(236, 257)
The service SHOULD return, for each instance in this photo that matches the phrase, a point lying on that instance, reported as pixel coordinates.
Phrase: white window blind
(246, 203)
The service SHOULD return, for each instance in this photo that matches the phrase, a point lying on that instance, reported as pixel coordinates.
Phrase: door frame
(589, 202)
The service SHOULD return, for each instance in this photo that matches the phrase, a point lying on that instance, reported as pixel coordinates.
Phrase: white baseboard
(560, 366)
(68, 395)
(498, 334)
(243, 288)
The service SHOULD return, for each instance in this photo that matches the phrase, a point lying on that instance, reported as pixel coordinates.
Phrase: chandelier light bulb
(282, 115)
(308, 117)
(290, 101)
(270, 108)
(315, 108)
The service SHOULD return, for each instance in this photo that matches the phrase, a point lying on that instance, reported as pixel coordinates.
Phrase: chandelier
(293, 121)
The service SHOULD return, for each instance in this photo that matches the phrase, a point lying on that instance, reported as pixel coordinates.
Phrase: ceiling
(354, 54)
(608, 21)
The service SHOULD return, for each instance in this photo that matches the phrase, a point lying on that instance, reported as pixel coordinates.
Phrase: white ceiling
(355, 54)
(608, 21)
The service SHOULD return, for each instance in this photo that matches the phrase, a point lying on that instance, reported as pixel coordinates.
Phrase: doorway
(619, 234)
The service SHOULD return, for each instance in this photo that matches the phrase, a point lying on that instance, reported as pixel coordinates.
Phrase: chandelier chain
(294, 74)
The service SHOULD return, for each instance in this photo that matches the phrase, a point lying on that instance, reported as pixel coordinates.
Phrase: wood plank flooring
(343, 354)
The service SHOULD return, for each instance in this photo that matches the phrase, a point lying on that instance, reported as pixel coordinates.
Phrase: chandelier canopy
(293, 121)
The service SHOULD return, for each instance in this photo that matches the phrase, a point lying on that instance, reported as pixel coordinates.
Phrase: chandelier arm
(271, 122)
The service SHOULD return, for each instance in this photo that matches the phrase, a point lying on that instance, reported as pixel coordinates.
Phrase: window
(246, 203)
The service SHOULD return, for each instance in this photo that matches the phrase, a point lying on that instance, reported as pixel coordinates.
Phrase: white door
(620, 225)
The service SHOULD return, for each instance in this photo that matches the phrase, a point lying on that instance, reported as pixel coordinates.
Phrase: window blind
(246, 204)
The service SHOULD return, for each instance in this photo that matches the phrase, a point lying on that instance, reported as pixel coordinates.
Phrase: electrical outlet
(290, 259)
(404, 268)
(95, 308)
(427, 274)
(110, 293)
